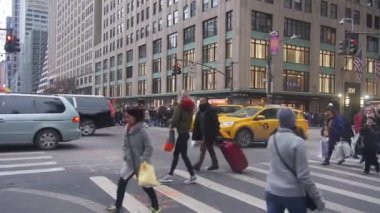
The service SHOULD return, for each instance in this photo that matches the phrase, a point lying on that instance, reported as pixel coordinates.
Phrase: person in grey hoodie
(137, 148)
(285, 190)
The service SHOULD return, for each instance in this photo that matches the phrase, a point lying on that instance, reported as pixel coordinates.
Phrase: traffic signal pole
(216, 70)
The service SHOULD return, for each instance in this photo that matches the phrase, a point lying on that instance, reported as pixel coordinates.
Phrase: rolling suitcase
(234, 156)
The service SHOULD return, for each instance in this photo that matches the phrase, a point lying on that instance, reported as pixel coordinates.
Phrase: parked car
(42, 120)
(95, 112)
(255, 124)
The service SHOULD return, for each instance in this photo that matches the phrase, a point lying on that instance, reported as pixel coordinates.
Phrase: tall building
(76, 30)
(14, 23)
(33, 35)
(3, 73)
(52, 42)
(43, 84)
(142, 39)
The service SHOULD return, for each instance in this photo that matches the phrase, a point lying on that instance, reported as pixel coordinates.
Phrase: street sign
(192, 70)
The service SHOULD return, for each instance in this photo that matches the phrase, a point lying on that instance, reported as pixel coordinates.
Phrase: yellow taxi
(255, 124)
(221, 109)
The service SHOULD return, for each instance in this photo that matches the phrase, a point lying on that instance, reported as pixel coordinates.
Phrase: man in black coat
(206, 128)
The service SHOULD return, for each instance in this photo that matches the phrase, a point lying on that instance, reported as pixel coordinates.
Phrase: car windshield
(245, 112)
(227, 109)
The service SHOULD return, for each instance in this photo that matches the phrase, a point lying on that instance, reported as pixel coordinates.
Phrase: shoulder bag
(310, 204)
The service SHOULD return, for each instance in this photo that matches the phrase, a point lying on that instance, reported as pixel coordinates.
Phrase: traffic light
(342, 47)
(176, 70)
(352, 47)
(12, 43)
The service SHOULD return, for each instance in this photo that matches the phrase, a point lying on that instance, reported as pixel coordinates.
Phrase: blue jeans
(278, 204)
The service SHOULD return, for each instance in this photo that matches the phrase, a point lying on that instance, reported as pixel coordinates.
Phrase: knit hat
(286, 117)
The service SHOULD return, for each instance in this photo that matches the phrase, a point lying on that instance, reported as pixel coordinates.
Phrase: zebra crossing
(22, 163)
(344, 190)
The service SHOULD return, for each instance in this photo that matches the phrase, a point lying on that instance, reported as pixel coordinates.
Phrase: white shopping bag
(196, 143)
(324, 147)
(346, 149)
(338, 153)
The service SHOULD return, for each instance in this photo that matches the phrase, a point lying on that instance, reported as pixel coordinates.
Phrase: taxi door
(267, 126)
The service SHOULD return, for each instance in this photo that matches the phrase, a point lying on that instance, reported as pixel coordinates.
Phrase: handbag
(310, 204)
(147, 176)
(169, 144)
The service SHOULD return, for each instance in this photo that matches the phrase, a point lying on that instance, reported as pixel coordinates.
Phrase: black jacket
(210, 125)
(370, 137)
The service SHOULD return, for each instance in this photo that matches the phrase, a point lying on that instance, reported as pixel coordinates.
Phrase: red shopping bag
(169, 144)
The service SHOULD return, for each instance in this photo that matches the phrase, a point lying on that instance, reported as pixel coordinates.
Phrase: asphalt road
(81, 176)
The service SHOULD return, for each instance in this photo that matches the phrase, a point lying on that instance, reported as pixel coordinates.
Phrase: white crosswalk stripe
(27, 163)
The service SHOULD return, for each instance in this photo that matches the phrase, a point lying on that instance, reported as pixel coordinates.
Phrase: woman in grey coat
(287, 189)
(137, 148)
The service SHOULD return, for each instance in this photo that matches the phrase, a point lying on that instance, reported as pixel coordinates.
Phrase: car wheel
(244, 137)
(47, 139)
(87, 127)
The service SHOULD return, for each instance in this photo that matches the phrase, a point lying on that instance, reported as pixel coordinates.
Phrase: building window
(154, 27)
(112, 61)
(229, 48)
(258, 49)
(356, 17)
(119, 74)
(120, 59)
(142, 69)
(129, 72)
(298, 5)
(157, 65)
(296, 81)
(326, 58)
(160, 5)
(372, 44)
(188, 82)
(112, 91)
(308, 7)
(210, 28)
(206, 5)
(186, 12)
(171, 84)
(141, 87)
(370, 65)
(157, 46)
(295, 27)
(208, 79)
(193, 8)
(128, 89)
(105, 91)
(349, 65)
(227, 77)
(333, 11)
(328, 35)
(105, 77)
(119, 90)
(129, 56)
(171, 60)
(170, 20)
(105, 64)
(189, 35)
(288, 4)
(296, 54)
(327, 83)
(371, 87)
(142, 51)
(188, 55)
(324, 8)
(209, 53)
(156, 85)
(172, 40)
(176, 17)
(160, 24)
(369, 20)
(347, 13)
(261, 22)
(98, 79)
(258, 77)
(229, 21)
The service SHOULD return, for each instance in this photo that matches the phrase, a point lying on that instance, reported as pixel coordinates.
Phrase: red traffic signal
(12, 44)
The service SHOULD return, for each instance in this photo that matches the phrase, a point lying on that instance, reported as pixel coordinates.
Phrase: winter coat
(137, 148)
(210, 124)
(183, 115)
(370, 138)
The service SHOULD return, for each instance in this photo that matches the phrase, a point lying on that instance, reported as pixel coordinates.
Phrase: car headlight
(227, 124)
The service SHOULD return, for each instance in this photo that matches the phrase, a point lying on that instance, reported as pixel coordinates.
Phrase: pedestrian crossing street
(343, 187)
(23, 163)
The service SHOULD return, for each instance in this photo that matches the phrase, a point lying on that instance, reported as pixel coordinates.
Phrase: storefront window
(258, 76)
(296, 81)
(326, 58)
(371, 87)
(258, 49)
(326, 83)
(296, 54)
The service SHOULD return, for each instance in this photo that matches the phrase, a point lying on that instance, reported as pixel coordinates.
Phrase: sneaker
(325, 163)
(114, 209)
(340, 162)
(167, 179)
(197, 168)
(210, 168)
(155, 210)
(191, 180)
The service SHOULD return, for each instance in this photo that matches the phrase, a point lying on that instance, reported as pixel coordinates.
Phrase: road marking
(262, 184)
(95, 207)
(342, 180)
(7, 166)
(250, 200)
(31, 171)
(332, 189)
(22, 153)
(26, 158)
(130, 203)
(339, 167)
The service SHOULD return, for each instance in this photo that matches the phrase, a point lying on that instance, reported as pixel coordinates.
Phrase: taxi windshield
(227, 109)
(245, 112)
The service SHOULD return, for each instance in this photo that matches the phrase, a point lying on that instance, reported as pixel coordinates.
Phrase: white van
(39, 119)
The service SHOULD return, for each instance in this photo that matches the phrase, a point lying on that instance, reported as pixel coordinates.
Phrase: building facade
(14, 23)
(3, 74)
(43, 84)
(141, 41)
(76, 29)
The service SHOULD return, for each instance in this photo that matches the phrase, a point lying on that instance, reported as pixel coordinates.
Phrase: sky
(5, 10)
